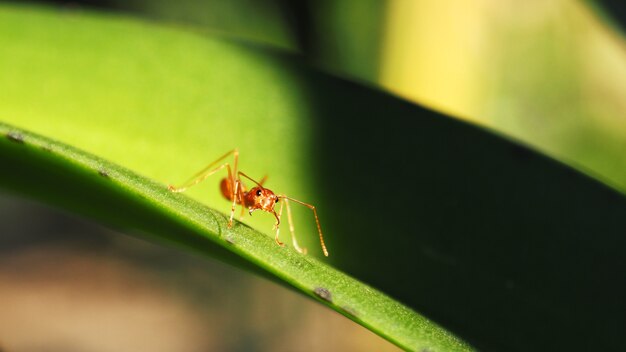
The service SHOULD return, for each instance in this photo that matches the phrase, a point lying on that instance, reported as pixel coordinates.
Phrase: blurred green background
(549, 75)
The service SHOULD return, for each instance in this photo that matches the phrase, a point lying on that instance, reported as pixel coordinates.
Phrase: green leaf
(158, 101)
(508, 249)
(95, 187)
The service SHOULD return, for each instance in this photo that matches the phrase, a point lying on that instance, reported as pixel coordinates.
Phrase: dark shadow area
(616, 10)
(298, 15)
(507, 248)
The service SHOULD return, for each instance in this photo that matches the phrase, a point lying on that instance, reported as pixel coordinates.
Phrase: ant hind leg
(208, 171)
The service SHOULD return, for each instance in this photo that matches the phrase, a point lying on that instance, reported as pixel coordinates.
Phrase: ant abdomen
(226, 187)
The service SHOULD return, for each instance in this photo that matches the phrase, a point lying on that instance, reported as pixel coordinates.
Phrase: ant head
(261, 198)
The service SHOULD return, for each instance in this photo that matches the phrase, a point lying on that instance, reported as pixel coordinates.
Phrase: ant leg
(317, 220)
(277, 225)
(202, 176)
(236, 194)
(292, 230)
(243, 210)
(242, 190)
(207, 171)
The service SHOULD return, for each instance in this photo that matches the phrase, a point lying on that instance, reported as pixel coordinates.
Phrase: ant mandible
(257, 198)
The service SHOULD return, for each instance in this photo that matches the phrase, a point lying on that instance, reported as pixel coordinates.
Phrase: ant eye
(258, 193)
(276, 200)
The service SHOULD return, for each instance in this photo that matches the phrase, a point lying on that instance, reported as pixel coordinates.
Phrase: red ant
(257, 198)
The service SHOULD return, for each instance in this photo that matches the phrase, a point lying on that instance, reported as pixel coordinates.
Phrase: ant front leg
(237, 195)
(292, 229)
(317, 222)
(242, 190)
(277, 225)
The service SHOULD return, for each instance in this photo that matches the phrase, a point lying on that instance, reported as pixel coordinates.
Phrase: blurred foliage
(547, 73)
(347, 36)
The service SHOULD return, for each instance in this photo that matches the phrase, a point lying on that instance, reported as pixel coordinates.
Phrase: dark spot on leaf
(15, 137)
(323, 293)
(102, 172)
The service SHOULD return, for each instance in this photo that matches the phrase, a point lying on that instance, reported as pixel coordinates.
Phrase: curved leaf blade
(95, 187)
(483, 236)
